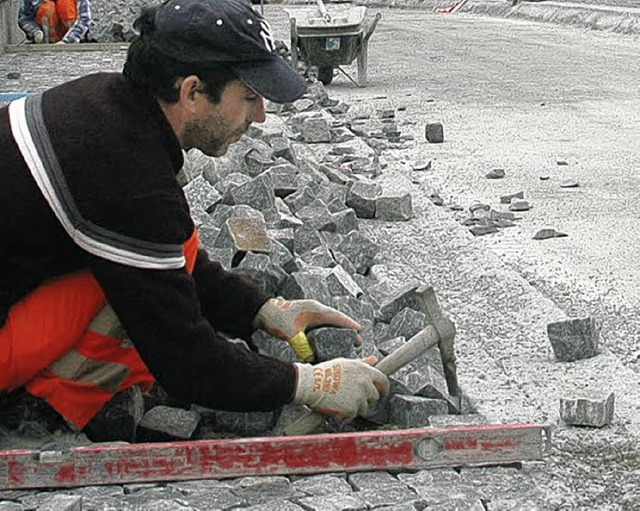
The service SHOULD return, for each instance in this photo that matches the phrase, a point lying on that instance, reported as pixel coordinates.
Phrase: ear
(189, 86)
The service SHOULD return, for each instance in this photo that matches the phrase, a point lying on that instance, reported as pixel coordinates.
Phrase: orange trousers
(52, 344)
(60, 15)
(48, 325)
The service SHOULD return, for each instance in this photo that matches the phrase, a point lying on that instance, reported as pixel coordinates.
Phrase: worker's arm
(27, 18)
(80, 27)
(229, 302)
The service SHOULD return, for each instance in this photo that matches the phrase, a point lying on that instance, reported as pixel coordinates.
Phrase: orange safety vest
(97, 360)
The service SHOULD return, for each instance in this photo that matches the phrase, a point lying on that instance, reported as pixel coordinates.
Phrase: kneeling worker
(95, 227)
(54, 21)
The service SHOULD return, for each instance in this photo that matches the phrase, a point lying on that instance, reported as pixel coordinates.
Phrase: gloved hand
(290, 319)
(38, 37)
(342, 387)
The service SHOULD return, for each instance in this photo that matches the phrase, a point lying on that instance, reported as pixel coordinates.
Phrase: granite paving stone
(280, 505)
(354, 308)
(361, 481)
(245, 423)
(389, 495)
(362, 198)
(414, 411)
(360, 250)
(284, 179)
(244, 235)
(389, 345)
(317, 215)
(259, 490)
(303, 284)
(350, 502)
(62, 502)
(259, 158)
(171, 422)
(573, 339)
(218, 498)
(402, 507)
(159, 505)
(301, 198)
(434, 132)
(407, 323)
(398, 300)
(328, 343)
(340, 283)
(463, 504)
(11, 506)
(323, 484)
(393, 208)
(593, 411)
(306, 238)
(315, 129)
(320, 257)
(201, 195)
(257, 193)
(345, 221)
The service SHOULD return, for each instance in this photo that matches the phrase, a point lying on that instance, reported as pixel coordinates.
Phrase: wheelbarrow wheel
(325, 74)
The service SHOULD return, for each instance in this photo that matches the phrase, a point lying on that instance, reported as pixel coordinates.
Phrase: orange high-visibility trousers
(60, 16)
(52, 345)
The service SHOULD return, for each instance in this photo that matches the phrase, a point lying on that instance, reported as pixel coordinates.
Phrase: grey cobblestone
(325, 484)
(333, 503)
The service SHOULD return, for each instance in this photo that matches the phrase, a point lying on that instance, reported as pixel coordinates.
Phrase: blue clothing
(27, 20)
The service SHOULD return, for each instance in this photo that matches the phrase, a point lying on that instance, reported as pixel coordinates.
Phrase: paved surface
(505, 360)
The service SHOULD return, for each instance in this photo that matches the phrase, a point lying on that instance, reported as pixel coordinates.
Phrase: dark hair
(157, 73)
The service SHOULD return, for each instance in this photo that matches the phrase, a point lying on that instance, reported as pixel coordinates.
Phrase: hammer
(440, 331)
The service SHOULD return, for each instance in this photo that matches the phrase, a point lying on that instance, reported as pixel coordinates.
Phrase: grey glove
(342, 387)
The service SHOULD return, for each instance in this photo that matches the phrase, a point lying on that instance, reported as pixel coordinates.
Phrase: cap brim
(275, 79)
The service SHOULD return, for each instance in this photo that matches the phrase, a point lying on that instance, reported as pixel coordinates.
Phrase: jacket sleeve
(27, 18)
(160, 309)
(229, 302)
(81, 26)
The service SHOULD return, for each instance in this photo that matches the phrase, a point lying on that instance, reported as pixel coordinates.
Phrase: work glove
(342, 387)
(38, 37)
(289, 319)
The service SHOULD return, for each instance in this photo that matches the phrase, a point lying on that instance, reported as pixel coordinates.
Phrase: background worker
(54, 21)
(103, 286)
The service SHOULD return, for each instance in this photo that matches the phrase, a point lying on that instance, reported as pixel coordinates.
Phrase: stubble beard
(213, 137)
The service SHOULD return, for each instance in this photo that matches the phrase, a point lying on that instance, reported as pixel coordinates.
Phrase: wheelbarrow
(328, 42)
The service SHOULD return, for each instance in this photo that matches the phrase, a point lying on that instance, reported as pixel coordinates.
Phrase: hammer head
(426, 301)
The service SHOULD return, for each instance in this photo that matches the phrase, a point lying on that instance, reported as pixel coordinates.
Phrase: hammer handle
(416, 346)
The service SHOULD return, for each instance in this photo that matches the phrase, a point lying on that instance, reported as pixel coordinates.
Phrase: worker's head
(216, 40)
(209, 63)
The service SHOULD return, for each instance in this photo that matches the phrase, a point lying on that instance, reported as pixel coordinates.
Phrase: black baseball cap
(227, 32)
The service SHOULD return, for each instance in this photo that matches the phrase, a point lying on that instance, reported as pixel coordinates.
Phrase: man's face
(215, 127)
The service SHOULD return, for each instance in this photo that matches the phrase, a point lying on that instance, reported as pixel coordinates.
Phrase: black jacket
(113, 206)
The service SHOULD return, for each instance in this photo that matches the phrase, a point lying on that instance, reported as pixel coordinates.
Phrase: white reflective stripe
(24, 140)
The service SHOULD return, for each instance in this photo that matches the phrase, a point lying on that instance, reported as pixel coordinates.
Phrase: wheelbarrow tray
(331, 43)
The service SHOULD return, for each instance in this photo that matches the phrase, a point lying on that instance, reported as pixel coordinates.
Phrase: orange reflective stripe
(190, 250)
(78, 400)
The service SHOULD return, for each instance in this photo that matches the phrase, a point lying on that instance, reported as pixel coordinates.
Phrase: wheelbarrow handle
(323, 11)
